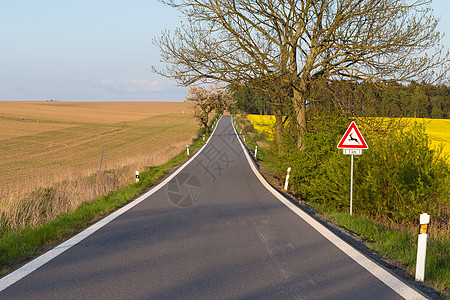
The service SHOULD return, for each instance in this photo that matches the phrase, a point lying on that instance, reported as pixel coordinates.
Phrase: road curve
(212, 230)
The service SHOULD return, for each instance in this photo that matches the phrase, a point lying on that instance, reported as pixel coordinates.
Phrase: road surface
(213, 230)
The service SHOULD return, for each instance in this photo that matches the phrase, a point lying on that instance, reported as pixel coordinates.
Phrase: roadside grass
(20, 245)
(397, 244)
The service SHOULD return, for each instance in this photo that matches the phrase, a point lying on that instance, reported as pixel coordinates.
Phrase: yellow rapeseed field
(437, 129)
(263, 124)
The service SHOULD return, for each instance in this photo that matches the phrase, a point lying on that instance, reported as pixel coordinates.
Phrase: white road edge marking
(38, 262)
(387, 278)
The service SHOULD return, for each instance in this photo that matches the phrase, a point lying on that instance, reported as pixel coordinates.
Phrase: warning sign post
(352, 143)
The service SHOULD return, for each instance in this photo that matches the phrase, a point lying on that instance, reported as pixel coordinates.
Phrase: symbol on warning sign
(352, 139)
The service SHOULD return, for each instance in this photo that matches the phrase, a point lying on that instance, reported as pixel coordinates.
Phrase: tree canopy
(301, 43)
(205, 101)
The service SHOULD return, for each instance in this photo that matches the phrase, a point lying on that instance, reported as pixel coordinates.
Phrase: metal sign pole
(351, 188)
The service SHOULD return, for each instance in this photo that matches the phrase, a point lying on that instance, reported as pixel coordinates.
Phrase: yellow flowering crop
(263, 124)
(437, 129)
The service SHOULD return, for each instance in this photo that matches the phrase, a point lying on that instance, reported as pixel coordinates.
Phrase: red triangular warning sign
(352, 139)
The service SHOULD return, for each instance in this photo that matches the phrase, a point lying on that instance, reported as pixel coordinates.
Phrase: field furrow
(44, 142)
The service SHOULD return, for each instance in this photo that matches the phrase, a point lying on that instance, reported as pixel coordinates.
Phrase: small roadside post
(256, 150)
(287, 179)
(187, 150)
(137, 176)
(352, 143)
(101, 161)
(422, 247)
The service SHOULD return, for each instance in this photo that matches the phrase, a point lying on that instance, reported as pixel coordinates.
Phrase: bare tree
(300, 42)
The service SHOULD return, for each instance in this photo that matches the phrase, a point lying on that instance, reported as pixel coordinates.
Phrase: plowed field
(45, 142)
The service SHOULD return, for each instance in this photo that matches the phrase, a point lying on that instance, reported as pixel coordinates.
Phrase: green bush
(395, 180)
(309, 166)
(402, 177)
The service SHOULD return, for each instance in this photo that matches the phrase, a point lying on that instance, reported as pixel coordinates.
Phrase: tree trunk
(205, 125)
(300, 111)
(278, 128)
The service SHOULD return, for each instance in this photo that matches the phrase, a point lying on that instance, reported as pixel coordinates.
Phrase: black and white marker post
(286, 182)
(422, 247)
(352, 143)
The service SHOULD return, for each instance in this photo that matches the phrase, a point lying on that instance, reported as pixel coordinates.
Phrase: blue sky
(93, 49)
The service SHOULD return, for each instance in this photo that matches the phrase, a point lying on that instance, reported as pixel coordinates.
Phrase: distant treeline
(389, 100)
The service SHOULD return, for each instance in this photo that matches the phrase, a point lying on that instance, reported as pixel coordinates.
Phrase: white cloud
(108, 82)
(81, 79)
(132, 86)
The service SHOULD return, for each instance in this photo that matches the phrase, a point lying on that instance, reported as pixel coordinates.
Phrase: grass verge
(19, 246)
(399, 244)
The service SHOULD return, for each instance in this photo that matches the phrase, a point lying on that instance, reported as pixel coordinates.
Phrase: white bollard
(422, 247)
(137, 176)
(243, 138)
(203, 137)
(256, 150)
(287, 179)
(187, 150)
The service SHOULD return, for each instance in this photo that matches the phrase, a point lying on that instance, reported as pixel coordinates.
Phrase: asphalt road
(213, 232)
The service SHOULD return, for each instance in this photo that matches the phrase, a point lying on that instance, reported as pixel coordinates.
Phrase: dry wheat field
(46, 143)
